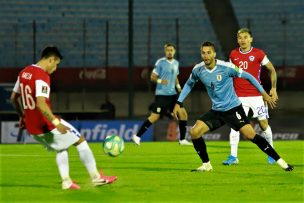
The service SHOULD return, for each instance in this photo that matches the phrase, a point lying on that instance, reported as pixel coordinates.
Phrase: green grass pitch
(155, 172)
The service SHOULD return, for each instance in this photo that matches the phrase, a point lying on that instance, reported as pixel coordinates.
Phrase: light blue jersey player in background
(165, 75)
(217, 76)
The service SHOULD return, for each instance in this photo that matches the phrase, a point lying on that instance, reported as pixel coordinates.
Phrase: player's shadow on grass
(27, 186)
(228, 146)
(153, 169)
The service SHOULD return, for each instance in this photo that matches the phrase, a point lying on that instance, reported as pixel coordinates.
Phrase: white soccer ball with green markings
(113, 145)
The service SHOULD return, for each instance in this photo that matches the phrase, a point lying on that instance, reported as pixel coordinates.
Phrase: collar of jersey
(246, 51)
(35, 65)
(210, 71)
(169, 61)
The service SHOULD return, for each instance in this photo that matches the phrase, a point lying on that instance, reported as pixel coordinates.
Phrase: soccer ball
(113, 145)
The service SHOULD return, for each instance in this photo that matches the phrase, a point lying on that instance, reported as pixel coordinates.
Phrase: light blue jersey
(166, 70)
(219, 84)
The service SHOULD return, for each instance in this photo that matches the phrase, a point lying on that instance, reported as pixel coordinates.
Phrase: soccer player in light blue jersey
(165, 75)
(217, 76)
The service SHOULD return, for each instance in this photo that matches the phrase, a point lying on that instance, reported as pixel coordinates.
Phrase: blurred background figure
(108, 108)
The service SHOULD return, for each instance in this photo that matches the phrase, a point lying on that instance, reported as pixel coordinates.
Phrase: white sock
(234, 142)
(282, 163)
(62, 161)
(268, 135)
(87, 158)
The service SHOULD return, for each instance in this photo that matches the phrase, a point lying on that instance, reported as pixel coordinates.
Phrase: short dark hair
(50, 51)
(208, 44)
(244, 30)
(169, 45)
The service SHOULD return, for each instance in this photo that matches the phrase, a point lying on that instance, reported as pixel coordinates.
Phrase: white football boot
(205, 167)
(185, 142)
(136, 139)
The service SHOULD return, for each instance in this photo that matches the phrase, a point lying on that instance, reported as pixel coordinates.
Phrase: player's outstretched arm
(254, 82)
(47, 112)
(273, 79)
(15, 100)
(184, 93)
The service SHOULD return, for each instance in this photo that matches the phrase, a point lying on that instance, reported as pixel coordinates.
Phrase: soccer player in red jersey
(251, 59)
(33, 86)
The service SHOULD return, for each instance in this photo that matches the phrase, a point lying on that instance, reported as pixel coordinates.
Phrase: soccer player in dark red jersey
(33, 87)
(251, 60)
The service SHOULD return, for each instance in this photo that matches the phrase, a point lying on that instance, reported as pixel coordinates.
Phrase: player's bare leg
(87, 158)
(199, 144)
(144, 127)
(261, 142)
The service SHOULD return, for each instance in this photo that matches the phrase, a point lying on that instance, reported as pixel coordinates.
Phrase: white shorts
(258, 106)
(54, 140)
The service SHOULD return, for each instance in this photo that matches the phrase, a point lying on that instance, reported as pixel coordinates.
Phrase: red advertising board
(117, 78)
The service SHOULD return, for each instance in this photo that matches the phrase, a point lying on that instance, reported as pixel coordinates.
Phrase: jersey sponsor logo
(44, 89)
(251, 58)
(219, 77)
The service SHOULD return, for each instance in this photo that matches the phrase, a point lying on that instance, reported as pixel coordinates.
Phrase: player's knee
(153, 118)
(248, 132)
(183, 115)
(263, 124)
(194, 133)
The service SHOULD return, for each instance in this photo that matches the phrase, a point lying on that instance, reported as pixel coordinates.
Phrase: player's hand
(273, 94)
(176, 111)
(62, 128)
(22, 122)
(270, 101)
(164, 82)
(179, 90)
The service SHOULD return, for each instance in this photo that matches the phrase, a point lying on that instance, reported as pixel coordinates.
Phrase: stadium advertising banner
(94, 131)
(169, 131)
(10, 131)
(289, 78)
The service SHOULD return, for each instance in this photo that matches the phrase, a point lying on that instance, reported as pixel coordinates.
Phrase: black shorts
(234, 118)
(164, 104)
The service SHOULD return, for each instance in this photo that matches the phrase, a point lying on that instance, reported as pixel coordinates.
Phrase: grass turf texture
(155, 172)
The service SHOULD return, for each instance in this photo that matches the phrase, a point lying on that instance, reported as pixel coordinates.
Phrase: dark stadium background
(109, 48)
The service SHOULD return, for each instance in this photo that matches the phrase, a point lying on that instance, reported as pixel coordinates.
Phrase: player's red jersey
(32, 82)
(251, 62)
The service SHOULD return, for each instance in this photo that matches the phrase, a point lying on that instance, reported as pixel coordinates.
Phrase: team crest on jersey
(219, 77)
(44, 89)
(251, 58)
